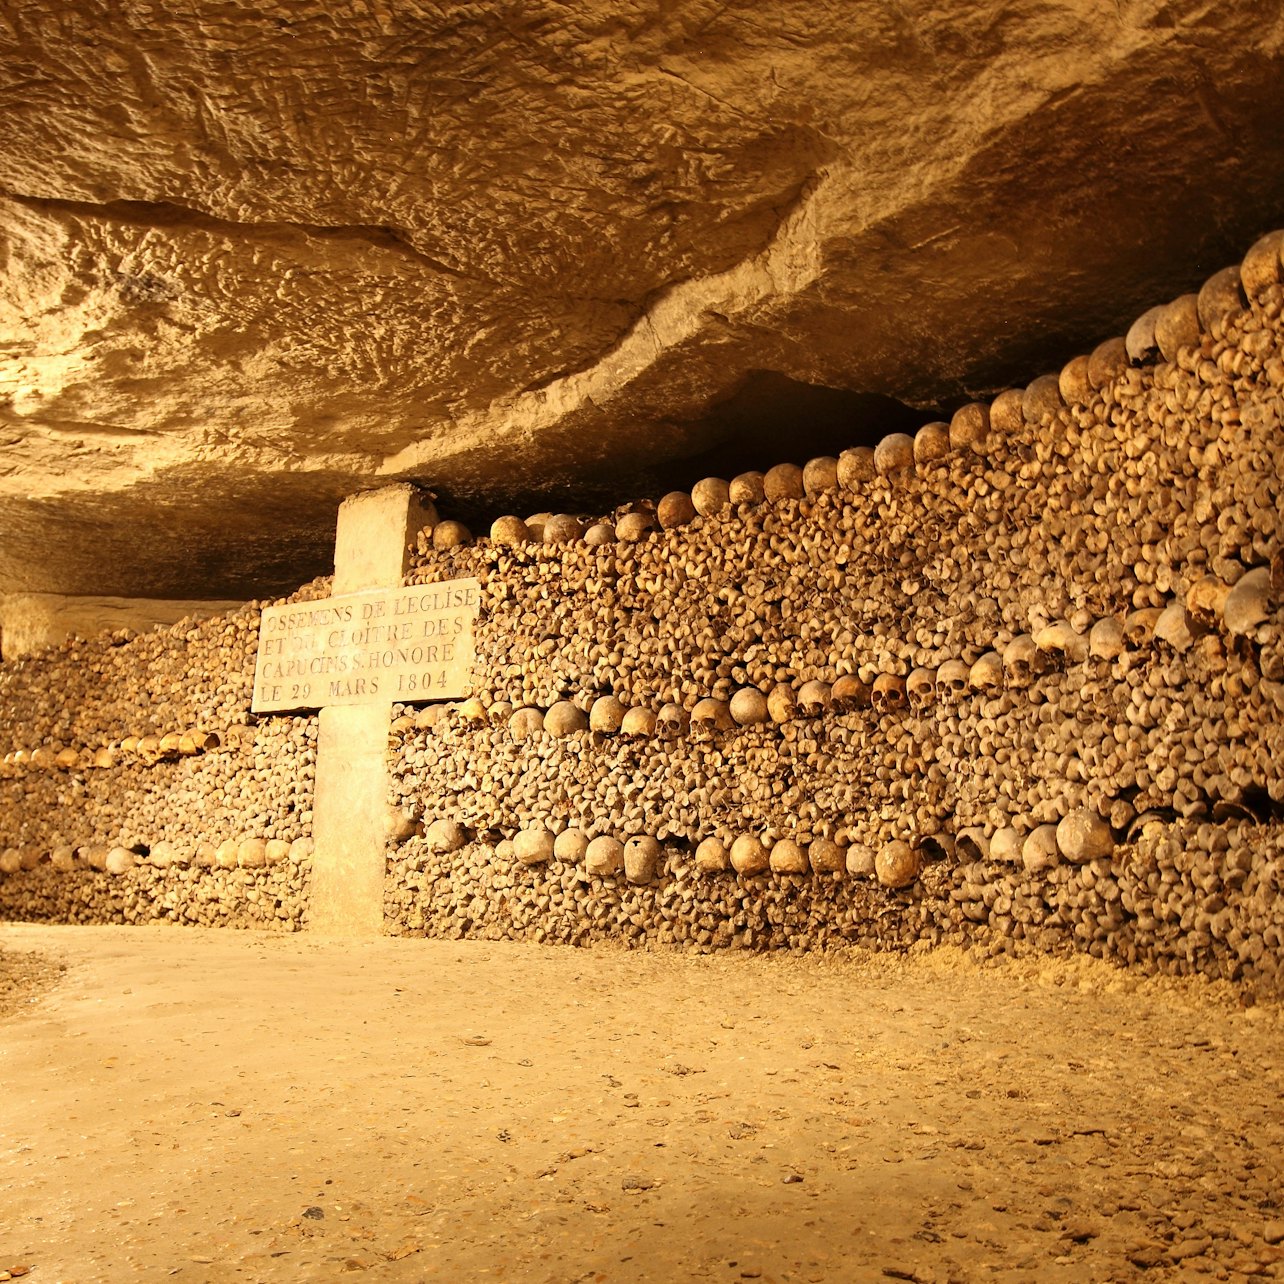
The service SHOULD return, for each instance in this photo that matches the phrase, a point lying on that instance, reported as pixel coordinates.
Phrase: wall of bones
(1018, 679)
(136, 786)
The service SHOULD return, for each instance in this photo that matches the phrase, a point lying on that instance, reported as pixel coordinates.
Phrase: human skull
(713, 715)
(1205, 600)
(565, 719)
(638, 723)
(525, 723)
(1250, 602)
(920, 687)
(606, 715)
(894, 453)
(951, 682)
(1106, 641)
(749, 707)
(671, 722)
(889, 693)
(1021, 663)
(813, 699)
(509, 530)
(1060, 639)
(710, 496)
(848, 693)
(971, 844)
(938, 847)
(1139, 627)
(562, 528)
(782, 703)
(987, 673)
(1174, 627)
(471, 710)
(675, 509)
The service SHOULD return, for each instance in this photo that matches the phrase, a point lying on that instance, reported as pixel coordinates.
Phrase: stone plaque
(405, 644)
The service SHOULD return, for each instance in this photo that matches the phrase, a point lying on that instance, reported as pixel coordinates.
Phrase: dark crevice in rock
(771, 418)
(169, 214)
(768, 419)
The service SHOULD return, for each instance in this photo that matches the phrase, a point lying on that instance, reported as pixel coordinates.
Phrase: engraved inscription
(407, 644)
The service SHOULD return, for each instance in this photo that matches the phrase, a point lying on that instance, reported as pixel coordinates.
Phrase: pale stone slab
(407, 644)
(373, 538)
(350, 821)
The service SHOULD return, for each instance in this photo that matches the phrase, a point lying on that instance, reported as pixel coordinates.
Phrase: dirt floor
(203, 1106)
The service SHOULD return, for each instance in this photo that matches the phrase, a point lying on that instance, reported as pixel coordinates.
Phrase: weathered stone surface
(32, 620)
(257, 258)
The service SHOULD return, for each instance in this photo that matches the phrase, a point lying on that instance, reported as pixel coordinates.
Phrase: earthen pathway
(199, 1106)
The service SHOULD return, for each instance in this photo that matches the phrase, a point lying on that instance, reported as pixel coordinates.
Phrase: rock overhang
(254, 262)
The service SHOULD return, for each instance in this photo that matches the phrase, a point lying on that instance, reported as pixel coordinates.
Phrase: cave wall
(1018, 680)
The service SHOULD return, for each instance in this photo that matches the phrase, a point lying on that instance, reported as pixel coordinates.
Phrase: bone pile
(137, 789)
(1016, 680)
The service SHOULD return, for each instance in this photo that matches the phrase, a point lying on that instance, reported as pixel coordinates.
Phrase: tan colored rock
(316, 320)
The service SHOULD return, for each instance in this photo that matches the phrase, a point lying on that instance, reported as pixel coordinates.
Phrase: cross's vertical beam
(350, 806)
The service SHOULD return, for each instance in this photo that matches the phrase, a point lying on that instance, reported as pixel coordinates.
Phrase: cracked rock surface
(256, 258)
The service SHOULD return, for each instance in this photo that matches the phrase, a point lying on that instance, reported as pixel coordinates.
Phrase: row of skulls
(1021, 662)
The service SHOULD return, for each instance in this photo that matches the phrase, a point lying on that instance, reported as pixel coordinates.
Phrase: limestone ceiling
(257, 256)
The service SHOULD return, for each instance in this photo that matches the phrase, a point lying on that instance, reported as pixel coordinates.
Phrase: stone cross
(352, 655)
(350, 805)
